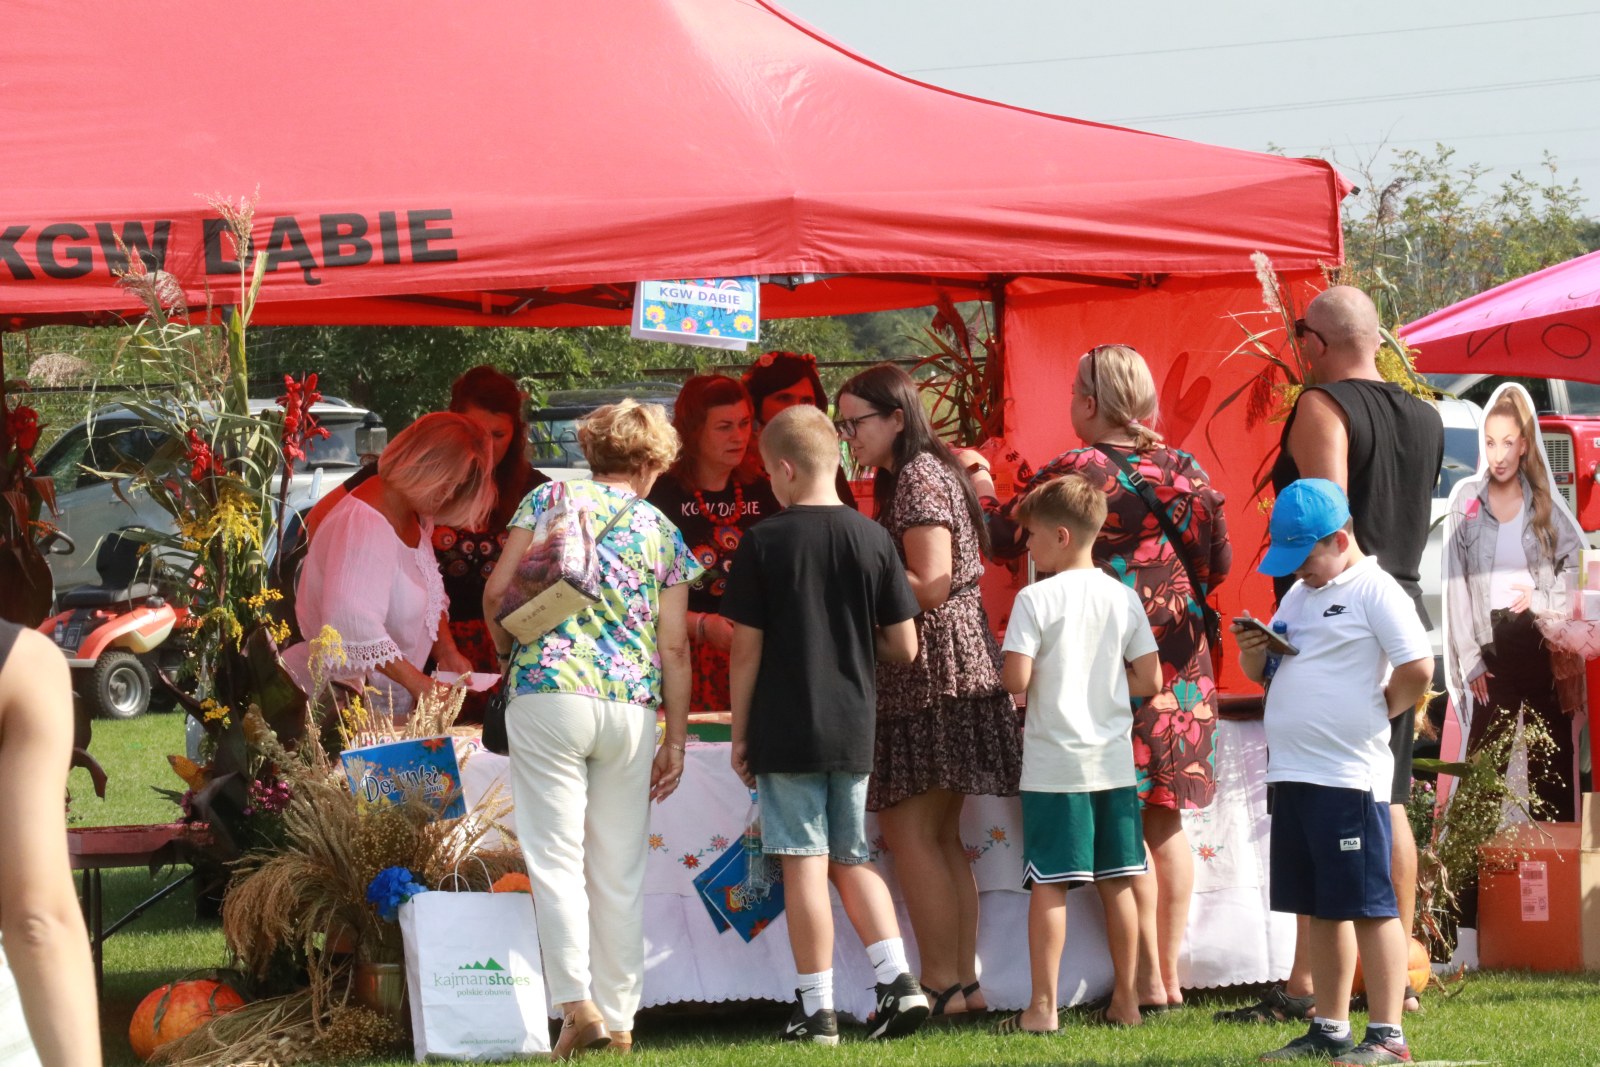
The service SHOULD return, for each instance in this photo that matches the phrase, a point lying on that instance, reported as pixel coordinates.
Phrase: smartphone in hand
(1276, 642)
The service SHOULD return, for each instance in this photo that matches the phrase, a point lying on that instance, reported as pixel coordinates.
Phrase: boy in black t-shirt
(814, 592)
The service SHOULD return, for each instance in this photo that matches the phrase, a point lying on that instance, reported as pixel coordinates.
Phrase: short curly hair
(628, 438)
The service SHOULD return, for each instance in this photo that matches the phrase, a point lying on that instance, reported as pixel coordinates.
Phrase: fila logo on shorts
(1349, 844)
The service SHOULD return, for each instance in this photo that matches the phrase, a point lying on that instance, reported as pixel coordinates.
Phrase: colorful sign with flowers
(709, 312)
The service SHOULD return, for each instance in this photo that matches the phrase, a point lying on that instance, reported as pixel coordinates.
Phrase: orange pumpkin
(1419, 969)
(177, 1010)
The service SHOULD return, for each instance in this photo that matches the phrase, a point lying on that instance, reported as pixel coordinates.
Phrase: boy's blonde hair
(441, 465)
(628, 438)
(1068, 501)
(805, 437)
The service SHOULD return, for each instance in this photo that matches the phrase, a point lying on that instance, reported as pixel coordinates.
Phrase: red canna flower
(300, 426)
(22, 425)
(201, 459)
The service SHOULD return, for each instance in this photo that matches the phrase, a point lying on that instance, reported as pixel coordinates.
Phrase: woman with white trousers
(581, 724)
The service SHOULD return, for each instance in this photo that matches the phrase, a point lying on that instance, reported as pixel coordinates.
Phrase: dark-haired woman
(712, 494)
(467, 557)
(947, 729)
(779, 380)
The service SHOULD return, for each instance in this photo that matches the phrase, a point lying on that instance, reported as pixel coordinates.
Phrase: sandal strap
(968, 990)
(940, 1000)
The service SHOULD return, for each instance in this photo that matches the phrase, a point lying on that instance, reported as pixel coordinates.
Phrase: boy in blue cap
(1327, 720)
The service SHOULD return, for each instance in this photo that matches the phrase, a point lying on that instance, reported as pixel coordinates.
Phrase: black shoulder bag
(494, 712)
(1213, 621)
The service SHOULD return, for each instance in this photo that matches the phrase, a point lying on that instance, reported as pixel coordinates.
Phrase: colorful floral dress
(944, 719)
(1173, 731)
(610, 650)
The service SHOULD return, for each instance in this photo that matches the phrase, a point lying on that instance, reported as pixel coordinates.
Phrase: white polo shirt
(1326, 719)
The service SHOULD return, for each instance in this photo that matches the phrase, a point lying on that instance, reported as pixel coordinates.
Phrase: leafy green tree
(1435, 231)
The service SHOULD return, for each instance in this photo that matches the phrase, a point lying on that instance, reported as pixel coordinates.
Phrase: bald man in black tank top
(1383, 446)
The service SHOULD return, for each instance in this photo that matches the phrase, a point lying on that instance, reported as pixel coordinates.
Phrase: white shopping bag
(473, 976)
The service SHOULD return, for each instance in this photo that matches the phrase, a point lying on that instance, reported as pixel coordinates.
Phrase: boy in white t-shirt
(1068, 646)
(1328, 761)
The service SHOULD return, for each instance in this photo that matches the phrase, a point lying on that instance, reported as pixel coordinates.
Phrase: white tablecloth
(1232, 938)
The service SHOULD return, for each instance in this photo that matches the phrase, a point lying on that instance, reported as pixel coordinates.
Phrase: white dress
(16, 1047)
(382, 596)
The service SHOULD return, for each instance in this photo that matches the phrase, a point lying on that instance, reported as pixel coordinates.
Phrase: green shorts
(1071, 838)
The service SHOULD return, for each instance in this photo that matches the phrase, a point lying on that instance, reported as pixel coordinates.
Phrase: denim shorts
(1329, 856)
(822, 814)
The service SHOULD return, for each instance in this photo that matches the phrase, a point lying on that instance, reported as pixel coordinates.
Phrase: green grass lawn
(1490, 1018)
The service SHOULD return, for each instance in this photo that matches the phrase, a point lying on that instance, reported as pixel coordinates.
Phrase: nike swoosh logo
(1337, 609)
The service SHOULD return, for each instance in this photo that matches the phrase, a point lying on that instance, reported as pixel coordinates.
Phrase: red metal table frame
(99, 848)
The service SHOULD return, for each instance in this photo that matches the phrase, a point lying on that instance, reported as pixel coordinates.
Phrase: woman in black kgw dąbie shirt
(712, 494)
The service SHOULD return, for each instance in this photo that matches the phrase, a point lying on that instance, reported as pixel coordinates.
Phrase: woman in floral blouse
(582, 723)
(1113, 410)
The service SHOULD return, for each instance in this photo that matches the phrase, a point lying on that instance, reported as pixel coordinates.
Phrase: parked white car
(1463, 432)
(90, 507)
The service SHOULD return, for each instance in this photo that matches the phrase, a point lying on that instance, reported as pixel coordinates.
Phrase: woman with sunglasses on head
(712, 494)
(1113, 411)
(947, 729)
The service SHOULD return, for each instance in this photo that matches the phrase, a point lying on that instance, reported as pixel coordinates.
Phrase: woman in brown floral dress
(947, 729)
(1113, 407)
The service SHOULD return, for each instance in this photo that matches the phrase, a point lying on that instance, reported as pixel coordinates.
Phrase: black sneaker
(1312, 1045)
(821, 1027)
(902, 1008)
(1375, 1049)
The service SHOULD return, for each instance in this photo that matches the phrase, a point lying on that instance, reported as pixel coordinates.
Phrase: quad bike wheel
(119, 686)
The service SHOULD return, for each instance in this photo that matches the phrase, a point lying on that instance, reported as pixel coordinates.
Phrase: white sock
(888, 959)
(816, 991)
(1335, 1028)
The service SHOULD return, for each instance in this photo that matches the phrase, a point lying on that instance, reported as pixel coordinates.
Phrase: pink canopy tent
(1545, 325)
(527, 162)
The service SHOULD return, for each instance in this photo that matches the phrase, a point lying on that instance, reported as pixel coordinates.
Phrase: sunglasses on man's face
(1301, 328)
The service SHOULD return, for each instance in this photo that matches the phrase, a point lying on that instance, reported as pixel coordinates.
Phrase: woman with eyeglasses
(1113, 414)
(713, 493)
(947, 729)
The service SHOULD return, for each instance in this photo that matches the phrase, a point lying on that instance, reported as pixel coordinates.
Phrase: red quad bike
(117, 635)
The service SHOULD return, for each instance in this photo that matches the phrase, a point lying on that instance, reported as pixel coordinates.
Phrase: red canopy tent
(1542, 325)
(524, 163)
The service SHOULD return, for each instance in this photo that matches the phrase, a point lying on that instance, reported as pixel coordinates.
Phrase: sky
(1500, 83)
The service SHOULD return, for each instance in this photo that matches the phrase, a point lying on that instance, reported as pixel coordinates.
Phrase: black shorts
(1402, 736)
(1330, 853)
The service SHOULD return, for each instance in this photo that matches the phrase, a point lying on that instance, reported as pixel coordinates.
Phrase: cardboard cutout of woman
(1512, 564)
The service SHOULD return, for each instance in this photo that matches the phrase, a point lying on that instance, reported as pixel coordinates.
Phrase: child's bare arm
(1016, 673)
(1406, 685)
(897, 642)
(1252, 651)
(1144, 675)
(744, 661)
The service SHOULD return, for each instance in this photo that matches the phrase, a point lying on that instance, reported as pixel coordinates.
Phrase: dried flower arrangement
(1451, 835)
(319, 900)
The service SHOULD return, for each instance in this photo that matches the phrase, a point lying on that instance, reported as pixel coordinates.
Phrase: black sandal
(938, 1002)
(1276, 1007)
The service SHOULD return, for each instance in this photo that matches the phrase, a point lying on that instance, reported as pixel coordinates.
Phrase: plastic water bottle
(1274, 658)
(757, 867)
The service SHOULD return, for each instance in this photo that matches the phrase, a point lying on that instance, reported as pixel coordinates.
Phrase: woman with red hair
(712, 494)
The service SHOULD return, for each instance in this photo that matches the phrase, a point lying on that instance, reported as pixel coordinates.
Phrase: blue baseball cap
(1306, 512)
